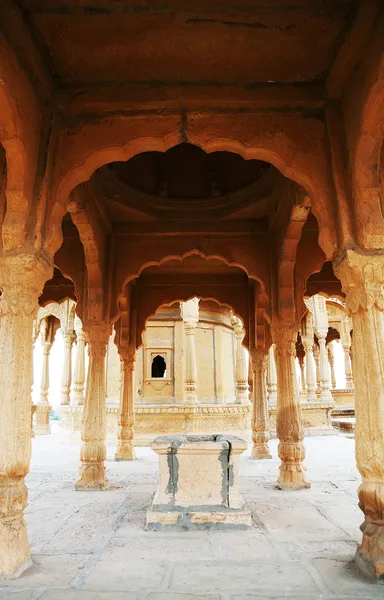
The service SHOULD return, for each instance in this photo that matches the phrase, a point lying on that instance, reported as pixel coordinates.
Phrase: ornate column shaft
(260, 420)
(303, 383)
(346, 342)
(66, 374)
(289, 428)
(125, 446)
(22, 278)
(241, 364)
(331, 360)
(325, 384)
(190, 315)
(271, 377)
(316, 356)
(43, 408)
(362, 280)
(320, 319)
(79, 368)
(310, 366)
(93, 433)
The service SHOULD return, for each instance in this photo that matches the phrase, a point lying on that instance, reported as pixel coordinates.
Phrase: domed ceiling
(186, 172)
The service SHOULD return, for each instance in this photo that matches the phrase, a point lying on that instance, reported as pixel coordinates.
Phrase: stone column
(316, 356)
(241, 364)
(43, 408)
(66, 374)
(22, 278)
(93, 433)
(310, 367)
(346, 342)
(190, 315)
(260, 420)
(362, 278)
(125, 446)
(271, 377)
(303, 383)
(288, 426)
(320, 321)
(79, 368)
(331, 361)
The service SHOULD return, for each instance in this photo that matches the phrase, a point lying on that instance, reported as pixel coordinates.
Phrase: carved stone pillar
(190, 315)
(331, 360)
(66, 374)
(125, 446)
(241, 364)
(288, 426)
(43, 408)
(22, 278)
(320, 321)
(79, 368)
(93, 432)
(325, 384)
(310, 366)
(346, 342)
(303, 383)
(271, 377)
(362, 280)
(260, 420)
(316, 356)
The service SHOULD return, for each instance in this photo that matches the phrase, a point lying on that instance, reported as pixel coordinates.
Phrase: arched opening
(158, 367)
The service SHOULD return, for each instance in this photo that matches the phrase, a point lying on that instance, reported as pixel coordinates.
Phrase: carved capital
(258, 360)
(362, 279)
(98, 334)
(22, 278)
(284, 336)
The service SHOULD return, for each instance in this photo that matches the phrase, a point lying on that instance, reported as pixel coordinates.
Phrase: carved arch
(286, 156)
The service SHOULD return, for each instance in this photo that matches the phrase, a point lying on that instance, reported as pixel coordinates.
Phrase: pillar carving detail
(331, 360)
(93, 433)
(190, 315)
(310, 365)
(346, 343)
(66, 374)
(22, 278)
(241, 364)
(288, 425)
(260, 421)
(362, 279)
(79, 367)
(320, 319)
(271, 377)
(126, 422)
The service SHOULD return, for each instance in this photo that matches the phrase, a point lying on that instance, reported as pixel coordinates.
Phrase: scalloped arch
(102, 156)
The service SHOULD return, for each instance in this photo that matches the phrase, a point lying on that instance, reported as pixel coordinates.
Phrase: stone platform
(154, 420)
(198, 487)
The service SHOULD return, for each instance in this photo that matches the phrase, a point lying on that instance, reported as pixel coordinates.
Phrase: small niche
(159, 367)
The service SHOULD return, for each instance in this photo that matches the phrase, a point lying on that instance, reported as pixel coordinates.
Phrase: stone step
(347, 425)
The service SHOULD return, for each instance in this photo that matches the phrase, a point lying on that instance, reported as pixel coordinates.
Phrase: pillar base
(292, 469)
(42, 426)
(14, 547)
(371, 568)
(260, 452)
(125, 451)
(92, 478)
(292, 477)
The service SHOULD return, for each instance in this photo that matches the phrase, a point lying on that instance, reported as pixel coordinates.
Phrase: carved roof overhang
(108, 186)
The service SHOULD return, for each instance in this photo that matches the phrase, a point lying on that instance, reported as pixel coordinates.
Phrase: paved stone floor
(92, 546)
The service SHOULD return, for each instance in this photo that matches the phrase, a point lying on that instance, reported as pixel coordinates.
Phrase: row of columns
(22, 281)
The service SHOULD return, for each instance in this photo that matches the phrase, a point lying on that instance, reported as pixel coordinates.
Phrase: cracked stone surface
(92, 545)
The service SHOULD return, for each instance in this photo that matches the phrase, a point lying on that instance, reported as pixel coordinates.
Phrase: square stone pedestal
(198, 485)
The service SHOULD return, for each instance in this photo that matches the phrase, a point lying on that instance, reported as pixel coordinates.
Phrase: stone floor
(92, 546)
